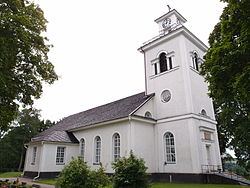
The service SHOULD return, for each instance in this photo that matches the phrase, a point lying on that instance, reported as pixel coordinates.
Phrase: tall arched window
(97, 158)
(82, 148)
(116, 146)
(163, 62)
(195, 61)
(169, 148)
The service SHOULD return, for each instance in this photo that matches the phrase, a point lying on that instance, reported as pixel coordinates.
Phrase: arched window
(82, 148)
(195, 61)
(169, 148)
(116, 146)
(97, 156)
(148, 114)
(163, 62)
(203, 112)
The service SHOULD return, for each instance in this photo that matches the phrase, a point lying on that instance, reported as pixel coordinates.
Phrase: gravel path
(28, 181)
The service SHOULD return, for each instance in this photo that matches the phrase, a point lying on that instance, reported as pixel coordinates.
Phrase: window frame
(34, 154)
(195, 61)
(163, 61)
(97, 150)
(82, 148)
(116, 146)
(60, 155)
(168, 154)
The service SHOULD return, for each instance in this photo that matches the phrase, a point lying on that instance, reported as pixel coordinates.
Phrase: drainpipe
(130, 133)
(25, 146)
(40, 162)
(38, 175)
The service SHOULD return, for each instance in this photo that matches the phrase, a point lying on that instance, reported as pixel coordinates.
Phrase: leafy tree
(78, 175)
(27, 125)
(227, 70)
(24, 63)
(130, 172)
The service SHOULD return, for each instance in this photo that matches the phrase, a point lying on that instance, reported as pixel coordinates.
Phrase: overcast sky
(95, 47)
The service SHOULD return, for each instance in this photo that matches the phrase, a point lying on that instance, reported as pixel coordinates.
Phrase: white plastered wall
(28, 160)
(143, 143)
(48, 163)
(172, 80)
(105, 132)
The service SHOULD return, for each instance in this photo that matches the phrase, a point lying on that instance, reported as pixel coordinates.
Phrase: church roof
(61, 132)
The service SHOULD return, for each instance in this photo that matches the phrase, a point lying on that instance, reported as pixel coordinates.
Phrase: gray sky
(95, 47)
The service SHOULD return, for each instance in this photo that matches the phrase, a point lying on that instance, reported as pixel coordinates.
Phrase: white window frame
(34, 152)
(82, 148)
(60, 155)
(97, 150)
(169, 145)
(116, 146)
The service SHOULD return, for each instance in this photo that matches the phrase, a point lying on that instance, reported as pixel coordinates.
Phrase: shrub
(78, 175)
(130, 172)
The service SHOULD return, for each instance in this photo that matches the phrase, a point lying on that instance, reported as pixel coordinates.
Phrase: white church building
(171, 125)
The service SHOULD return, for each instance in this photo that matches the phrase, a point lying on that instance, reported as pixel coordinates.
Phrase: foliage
(227, 70)
(78, 175)
(27, 125)
(130, 172)
(24, 63)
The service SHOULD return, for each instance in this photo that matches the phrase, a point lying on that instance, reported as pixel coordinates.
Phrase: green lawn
(178, 185)
(165, 185)
(49, 182)
(153, 185)
(10, 174)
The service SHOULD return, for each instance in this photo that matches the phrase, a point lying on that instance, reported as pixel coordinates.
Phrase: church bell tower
(181, 103)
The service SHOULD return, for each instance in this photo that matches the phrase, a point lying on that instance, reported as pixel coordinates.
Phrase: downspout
(130, 132)
(25, 146)
(39, 170)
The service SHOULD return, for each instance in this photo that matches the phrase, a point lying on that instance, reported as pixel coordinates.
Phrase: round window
(165, 96)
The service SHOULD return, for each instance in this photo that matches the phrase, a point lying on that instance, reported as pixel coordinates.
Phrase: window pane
(170, 148)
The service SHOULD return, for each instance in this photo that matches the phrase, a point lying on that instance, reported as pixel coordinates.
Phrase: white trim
(143, 119)
(165, 72)
(163, 38)
(186, 116)
(47, 142)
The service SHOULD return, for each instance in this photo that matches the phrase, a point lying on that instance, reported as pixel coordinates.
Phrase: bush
(78, 175)
(130, 172)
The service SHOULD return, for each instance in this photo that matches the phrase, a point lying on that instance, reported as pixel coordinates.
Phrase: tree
(27, 125)
(227, 70)
(130, 172)
(24, 63)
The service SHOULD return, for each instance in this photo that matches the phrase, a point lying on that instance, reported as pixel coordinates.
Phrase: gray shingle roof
(60, 132)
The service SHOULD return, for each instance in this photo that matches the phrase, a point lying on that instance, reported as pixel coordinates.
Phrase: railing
(217, 169)
(211, 168)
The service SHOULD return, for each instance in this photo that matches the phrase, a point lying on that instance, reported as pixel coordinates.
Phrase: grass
(49, 182)
(153, 185)
(10, 174)
(164, 185)
(178, 185)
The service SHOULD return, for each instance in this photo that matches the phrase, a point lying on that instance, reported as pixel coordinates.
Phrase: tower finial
(169, 8)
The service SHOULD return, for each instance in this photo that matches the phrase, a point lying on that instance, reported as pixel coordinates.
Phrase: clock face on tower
(166, 23)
